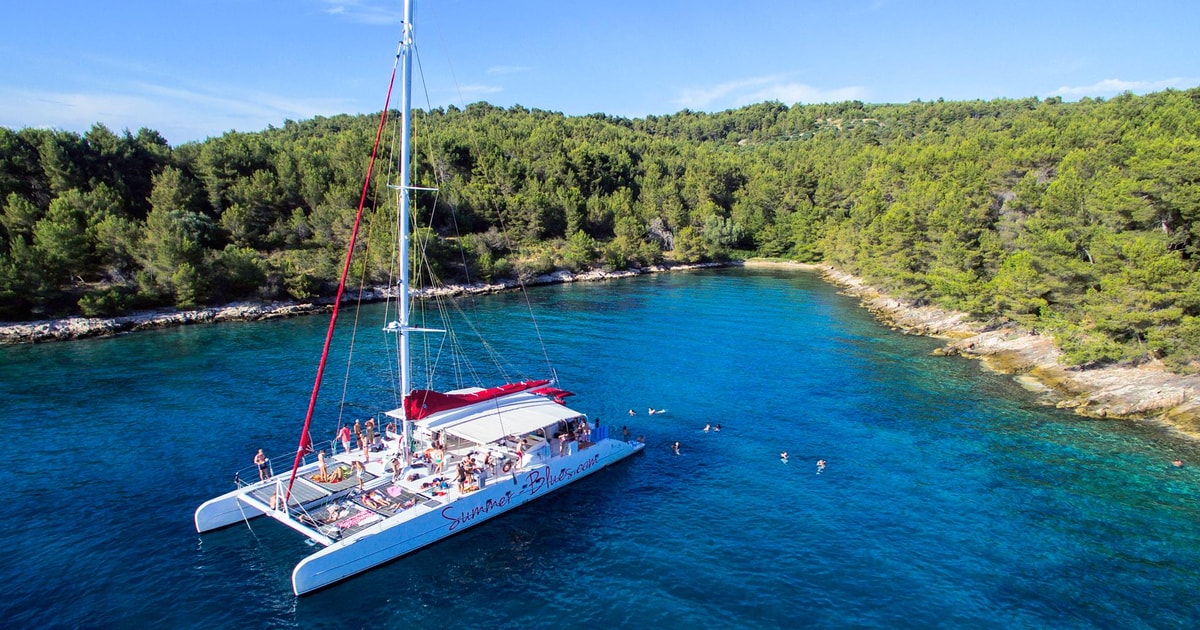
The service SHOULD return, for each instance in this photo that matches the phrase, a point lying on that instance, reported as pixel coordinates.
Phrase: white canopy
(488, 421)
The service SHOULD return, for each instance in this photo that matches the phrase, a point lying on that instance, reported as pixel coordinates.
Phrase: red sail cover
(422, 403)
(553, 392)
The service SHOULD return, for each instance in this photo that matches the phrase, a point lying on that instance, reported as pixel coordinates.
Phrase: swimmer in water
(784, 457)
(675, 447)
(706, 428)
(820, 465)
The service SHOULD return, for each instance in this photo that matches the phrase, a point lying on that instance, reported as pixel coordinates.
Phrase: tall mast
(406, 49)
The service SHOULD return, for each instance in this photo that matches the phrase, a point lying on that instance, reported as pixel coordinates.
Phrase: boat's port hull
(223, 511)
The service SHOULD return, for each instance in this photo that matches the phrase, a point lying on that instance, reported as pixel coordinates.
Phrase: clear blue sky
(191, 69)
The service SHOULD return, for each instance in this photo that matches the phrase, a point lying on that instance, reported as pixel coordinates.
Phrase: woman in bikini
(321, 463)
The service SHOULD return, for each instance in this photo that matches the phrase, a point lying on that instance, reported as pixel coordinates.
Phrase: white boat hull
(426, 524)
(223, 511)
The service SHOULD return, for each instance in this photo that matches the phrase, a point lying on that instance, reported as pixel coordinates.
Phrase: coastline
(71, 328)
(1146, 393)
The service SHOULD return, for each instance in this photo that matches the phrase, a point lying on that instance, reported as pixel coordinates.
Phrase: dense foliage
(1080, 219)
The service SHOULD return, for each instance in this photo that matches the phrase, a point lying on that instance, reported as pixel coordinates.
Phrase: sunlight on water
(951, 496)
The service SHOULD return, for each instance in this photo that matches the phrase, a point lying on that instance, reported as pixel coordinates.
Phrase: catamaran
(440, 463)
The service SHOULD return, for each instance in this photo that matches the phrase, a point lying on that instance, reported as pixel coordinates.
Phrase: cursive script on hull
(536, 481)
(479, 510)
(539, 480)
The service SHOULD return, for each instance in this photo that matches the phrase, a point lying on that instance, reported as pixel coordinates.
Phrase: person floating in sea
(707, 427)
(783, 457)
(717, 428)
(675, 448)
(651, 411)
(1178, 463)
(820, 466)
(264, 466)
(632, 412)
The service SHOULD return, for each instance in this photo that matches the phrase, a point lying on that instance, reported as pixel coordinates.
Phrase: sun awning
(516, 414)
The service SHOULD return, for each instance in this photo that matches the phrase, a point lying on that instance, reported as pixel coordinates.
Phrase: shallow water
(951, 498)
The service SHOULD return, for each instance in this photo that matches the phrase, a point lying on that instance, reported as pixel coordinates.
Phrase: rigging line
(508, 243)
(305, 439)
(503, 230)
(362, 281)
(437, 174)
(423, 262)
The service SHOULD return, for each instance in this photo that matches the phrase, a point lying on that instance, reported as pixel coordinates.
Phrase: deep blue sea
(951, 498)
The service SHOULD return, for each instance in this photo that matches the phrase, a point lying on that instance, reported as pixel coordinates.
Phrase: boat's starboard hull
(433, 520)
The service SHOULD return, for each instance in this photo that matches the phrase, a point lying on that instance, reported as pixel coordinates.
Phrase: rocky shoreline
(85, 327)
(1147, 393)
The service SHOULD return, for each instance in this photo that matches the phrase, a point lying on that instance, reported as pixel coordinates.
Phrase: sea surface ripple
(951, 496)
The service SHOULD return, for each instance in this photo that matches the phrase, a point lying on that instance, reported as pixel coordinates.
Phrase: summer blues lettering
(471, 514)
(539, 481)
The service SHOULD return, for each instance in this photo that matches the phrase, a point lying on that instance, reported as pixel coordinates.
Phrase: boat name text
(540, 480)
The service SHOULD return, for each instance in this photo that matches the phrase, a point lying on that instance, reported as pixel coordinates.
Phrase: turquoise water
(952, 498)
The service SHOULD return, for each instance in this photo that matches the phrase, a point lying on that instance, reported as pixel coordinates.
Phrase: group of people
(569, 431)
(337, 475)
(469, 471)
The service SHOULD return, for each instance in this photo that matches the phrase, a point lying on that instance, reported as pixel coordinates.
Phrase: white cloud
(767, 88)
(1109, 87)
(180, 115)
(475, 91)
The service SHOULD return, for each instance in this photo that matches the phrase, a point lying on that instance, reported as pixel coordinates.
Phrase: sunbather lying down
(337, 475)
(375, 499)
(378, 500)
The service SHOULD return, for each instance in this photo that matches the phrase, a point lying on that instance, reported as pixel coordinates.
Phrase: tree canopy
(1079, 219)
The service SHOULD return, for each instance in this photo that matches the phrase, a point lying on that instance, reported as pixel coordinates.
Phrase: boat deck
(336, 507)
(340, 506)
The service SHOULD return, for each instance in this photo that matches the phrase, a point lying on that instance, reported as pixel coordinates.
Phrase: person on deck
(264, 466)
(344, 436)
(321, 464)
(397, 468)
(359, 471)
